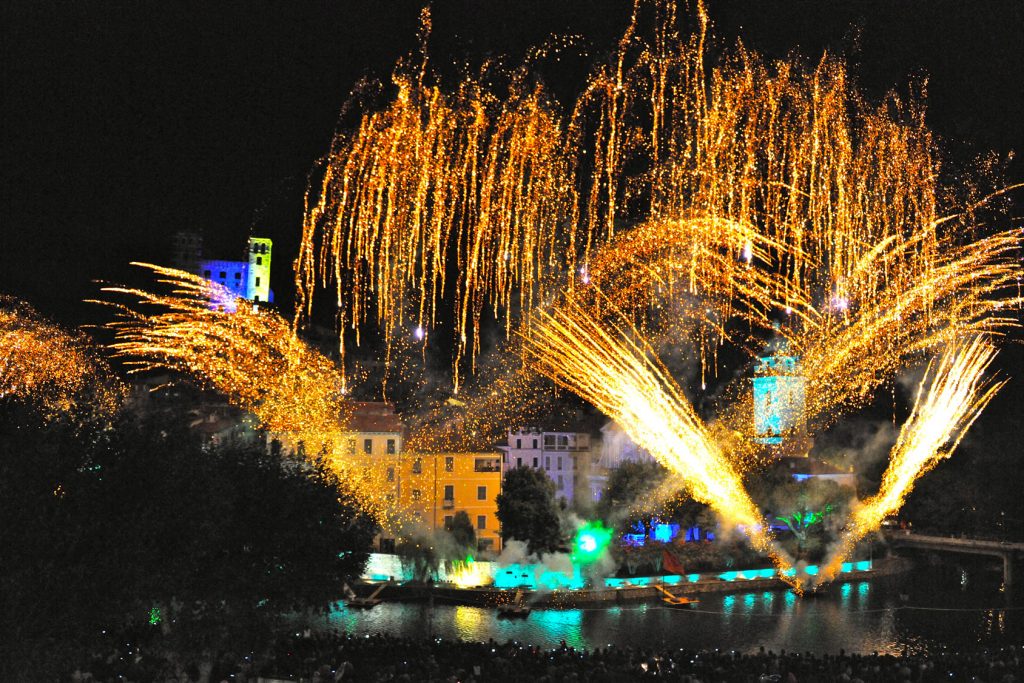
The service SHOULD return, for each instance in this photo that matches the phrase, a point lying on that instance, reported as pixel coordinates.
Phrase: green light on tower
(590, 543)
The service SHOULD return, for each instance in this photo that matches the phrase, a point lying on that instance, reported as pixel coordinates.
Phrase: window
(417, 466)
(449, 492)
(223, 275)
(481, 521)
(563, 441)
(350, 446)
(535, 462)
(449, 464)
(259, 260)
(535, 443)
(549, 441)
(519, 462)
(559, 462)
(519, 443)
(391, 474)
(415, 494)
(238, 276)
(368, 446)
(559, 481)
(256, 299)
(257, 282)
(207, 274)
(481, 493)
(547, 462)
(448, 520)
(486, 465)
(391, 446)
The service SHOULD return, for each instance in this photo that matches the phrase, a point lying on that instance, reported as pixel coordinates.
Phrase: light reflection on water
(861, 616)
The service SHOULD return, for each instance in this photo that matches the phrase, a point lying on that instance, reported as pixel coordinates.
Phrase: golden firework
(54, 370)
(252, 356)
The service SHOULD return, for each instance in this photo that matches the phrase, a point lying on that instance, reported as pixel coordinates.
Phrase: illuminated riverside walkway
(1006, 551)
(545, 586)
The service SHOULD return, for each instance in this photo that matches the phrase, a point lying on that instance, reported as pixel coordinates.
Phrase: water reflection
(863, 616)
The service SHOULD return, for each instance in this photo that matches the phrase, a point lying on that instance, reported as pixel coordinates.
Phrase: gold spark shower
(681, 198)
(617, 375)
(252, 356)
(52, 369)
(949, 398)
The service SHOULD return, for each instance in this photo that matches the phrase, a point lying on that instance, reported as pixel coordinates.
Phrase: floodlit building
(434, 487)
(779, 400)
(558, 454)
(780, 423)
(249, 279)
(616, 448)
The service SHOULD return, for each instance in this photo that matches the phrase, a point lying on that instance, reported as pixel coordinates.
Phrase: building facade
(560, 455)
(616, 448)
(424, 489)
(779, 399)
(434, 487)
(247, 279)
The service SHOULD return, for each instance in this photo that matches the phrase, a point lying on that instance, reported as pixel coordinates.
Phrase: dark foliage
(462, 530)
(103, 529)
(527, 510)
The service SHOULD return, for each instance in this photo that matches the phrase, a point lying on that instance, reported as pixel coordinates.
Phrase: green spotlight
(590, 543)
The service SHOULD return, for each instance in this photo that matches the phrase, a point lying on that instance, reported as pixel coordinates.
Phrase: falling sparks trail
(950, 397)
(52, 369)
(618, 376)
(251, 356)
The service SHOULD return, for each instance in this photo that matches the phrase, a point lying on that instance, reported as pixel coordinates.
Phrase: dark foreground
(331, 657)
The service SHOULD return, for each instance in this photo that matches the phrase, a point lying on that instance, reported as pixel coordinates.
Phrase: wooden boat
(353, 600)
(675, 601)
(515, 609)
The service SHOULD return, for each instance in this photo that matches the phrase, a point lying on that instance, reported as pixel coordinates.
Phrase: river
(956, 606)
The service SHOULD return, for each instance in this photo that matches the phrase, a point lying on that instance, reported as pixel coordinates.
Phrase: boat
(675, 601)
(516, 609)
(353, 600)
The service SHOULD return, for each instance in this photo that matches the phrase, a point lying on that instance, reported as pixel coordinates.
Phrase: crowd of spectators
(330, 657)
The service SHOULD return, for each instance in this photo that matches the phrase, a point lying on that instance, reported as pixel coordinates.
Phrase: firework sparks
(51, 368)
(618, 376)
(252, 356)
(949, 399)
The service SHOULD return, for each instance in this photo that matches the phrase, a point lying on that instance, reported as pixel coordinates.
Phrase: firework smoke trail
(253, 357)
(618, 376)
(44, 365)
(956, 394)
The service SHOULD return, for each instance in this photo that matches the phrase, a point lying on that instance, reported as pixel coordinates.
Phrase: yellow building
(435, 487)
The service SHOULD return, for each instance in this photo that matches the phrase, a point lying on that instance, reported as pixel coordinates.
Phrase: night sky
(124, 122)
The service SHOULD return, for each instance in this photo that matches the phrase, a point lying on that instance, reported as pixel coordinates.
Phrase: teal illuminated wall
(779, 397)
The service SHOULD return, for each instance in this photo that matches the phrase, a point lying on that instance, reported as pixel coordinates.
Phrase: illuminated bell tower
(779, 399)
(257, 286)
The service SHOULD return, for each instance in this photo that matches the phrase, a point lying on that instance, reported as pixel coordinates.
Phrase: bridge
(1004, 550)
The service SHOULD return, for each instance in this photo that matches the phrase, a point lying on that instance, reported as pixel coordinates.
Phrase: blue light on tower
(779, 395)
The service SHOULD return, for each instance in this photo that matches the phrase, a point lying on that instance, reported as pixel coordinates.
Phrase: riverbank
(620, 590)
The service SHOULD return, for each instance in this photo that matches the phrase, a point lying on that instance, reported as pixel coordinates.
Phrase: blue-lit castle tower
(779, 399)
(780, 419)
(248, 279)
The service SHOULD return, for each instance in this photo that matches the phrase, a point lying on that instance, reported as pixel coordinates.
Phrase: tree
(527, 510)
(141, 532)
(462, 531)
(637, 492)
